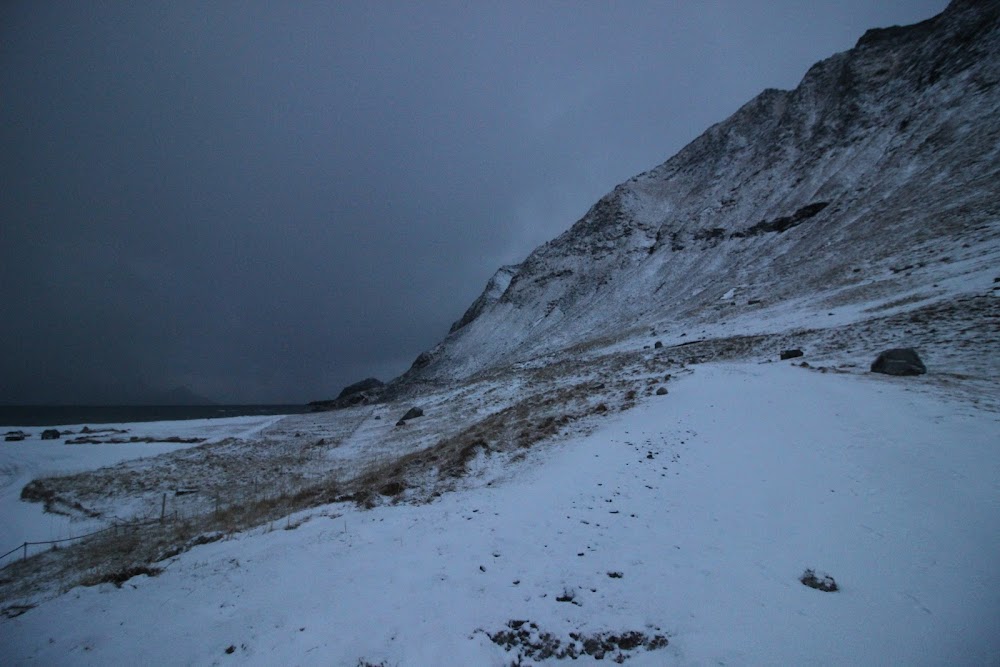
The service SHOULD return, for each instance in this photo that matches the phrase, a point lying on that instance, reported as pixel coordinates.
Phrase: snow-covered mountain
(877, 178)
(578, 483)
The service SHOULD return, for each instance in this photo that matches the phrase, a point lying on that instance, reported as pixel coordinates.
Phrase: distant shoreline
(61, 415)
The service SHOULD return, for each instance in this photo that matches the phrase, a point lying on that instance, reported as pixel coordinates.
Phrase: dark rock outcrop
(790, 354)
(366, 391)
(899, 361)
(364, 385)
(50, 434)
(783, 223)
(494, 290)
(423, 359)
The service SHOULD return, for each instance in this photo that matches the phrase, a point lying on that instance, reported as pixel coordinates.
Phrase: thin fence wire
(118, 526)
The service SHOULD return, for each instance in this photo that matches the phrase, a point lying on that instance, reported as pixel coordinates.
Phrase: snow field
(710, 502)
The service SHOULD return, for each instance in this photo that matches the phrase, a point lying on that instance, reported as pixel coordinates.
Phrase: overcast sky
(267, 201)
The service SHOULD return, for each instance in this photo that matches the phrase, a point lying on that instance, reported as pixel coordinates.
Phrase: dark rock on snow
(821, 581)
(50, 434)
(790, 354)
(899, 361)
(412, 413)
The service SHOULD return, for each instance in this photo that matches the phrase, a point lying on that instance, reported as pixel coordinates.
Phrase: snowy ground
(21, 462)
(709, 502)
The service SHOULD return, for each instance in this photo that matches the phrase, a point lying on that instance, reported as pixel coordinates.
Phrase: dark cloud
(266, 201)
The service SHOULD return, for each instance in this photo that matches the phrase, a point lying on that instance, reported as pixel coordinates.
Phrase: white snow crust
(758, 471)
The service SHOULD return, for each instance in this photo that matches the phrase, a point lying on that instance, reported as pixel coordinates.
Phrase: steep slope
(875, 180)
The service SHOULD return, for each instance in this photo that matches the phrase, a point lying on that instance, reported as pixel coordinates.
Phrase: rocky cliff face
(878, 170)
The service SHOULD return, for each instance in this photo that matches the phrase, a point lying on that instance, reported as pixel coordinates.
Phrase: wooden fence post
(25, 551)
(163, 508)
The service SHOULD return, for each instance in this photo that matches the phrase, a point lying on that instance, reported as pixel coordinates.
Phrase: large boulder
(413, 413)
(899, 361)
(50, 434)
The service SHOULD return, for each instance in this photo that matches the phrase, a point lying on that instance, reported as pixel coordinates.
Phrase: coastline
(35, 416)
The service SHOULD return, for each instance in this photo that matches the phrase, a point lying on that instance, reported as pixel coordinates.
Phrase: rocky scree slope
(876, 177)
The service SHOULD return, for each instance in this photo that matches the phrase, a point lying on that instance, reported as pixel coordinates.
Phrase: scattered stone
(821, 581)
(657, 345)
(661, 391)
(567, 596)
(790, 354)
(899, 361)
(533, 643)
(615, 575)
(50, 434)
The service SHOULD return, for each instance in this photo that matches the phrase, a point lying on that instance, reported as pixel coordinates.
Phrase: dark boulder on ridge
(899, 361)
